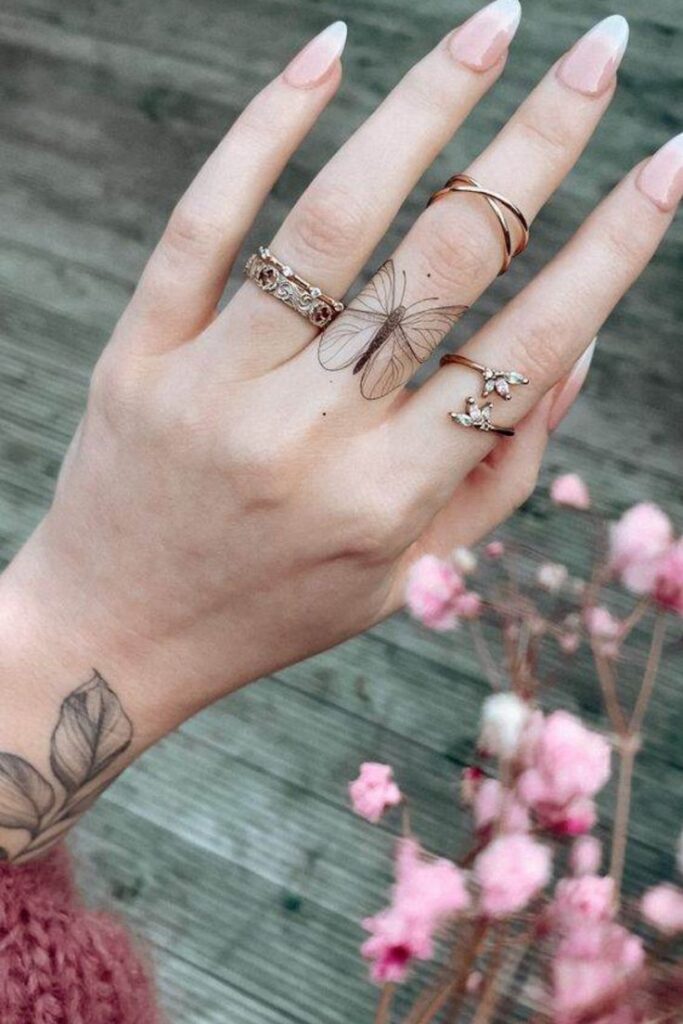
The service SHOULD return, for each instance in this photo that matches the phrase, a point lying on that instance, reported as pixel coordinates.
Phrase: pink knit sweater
(61, 963)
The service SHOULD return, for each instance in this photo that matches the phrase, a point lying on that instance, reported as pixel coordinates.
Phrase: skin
(228, 507)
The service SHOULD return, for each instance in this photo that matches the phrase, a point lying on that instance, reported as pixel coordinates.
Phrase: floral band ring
(280, 281)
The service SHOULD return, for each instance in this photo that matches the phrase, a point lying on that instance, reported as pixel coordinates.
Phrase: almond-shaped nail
(313, 62)
(661, 179)
(591, 64)
(572, 386)
(485, 38)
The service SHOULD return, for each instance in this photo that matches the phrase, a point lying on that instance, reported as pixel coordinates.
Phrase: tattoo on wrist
(91, 734)
(383, 339)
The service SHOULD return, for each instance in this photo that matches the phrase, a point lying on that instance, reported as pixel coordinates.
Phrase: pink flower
(569, 643)
(605, 629)
(589, 898)
(662, 907)
(552, 576)
(594, 966)
(426, 894)
(585, 856)
(431, 593)
(496, 549)
(374, 791)
(668, 585)
(637, 541)
(511, 871)
(494, 805)
(570, 490)
(468, 605)
(572, 819)
(504, 717)
(565, 761)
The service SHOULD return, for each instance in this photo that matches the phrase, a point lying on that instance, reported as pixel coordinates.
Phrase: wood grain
(229, 846)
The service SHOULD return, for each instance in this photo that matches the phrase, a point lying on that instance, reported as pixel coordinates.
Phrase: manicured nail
(592, 62)
(313, 62)
(572, 386)
(484, 39)
(661, 179)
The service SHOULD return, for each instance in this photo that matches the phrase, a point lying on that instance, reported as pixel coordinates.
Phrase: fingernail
(572, 386)
(313, 62)
(591, 64)
(661, 179)
(484, 39)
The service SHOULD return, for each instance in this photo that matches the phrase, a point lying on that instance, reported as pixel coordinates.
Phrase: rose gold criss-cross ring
(498, 204)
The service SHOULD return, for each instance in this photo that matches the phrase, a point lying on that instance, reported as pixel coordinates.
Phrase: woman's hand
(229, 505)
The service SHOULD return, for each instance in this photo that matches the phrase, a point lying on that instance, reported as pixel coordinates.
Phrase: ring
(497, 381)
(280, 281)
(479, 417)
(498, 204)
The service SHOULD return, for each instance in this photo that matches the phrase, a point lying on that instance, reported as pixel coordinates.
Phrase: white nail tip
(616, 28)
(335, 34)
(511, 10)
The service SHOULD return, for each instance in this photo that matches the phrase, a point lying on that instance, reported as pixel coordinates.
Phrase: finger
(454, 249)
(186, 274)
(545, 329)
(493, 490)
(336, 224)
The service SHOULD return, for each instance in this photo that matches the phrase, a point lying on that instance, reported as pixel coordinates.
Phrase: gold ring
(495, 381)
(498, 204)
(280, 281)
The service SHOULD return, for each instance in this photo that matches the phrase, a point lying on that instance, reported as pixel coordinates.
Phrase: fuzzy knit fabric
(61, 963)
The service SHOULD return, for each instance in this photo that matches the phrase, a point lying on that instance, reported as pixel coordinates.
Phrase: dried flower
(495, 549)
(605, 629)
(594, 965)
(426, 894)
(493, 805)
(668, 584)
(503, 719)
(589, 898)
(586, 856)
(637, 542)
(570, 490)
(431, 593)
(464, 560)
(374, 791)
(565, 761)
(662, 907)
(552, 576)
(510, 872)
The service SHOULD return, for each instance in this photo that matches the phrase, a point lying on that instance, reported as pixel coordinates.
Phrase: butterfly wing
(348, 337)
(425, 328)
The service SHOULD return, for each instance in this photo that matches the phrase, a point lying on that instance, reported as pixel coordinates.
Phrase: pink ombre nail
(484, 39)
(591, 64)
(661, 179)
(313, 62)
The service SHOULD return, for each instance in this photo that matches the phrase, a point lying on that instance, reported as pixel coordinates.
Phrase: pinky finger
(185, 276)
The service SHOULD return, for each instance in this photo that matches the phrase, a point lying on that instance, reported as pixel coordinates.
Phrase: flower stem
(650, 677)
(484, 654)
(627, 757)
(383, 1014)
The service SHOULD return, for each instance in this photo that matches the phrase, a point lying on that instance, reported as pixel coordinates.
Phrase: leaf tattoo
(25, 796)
(383, 339)
(92, 731)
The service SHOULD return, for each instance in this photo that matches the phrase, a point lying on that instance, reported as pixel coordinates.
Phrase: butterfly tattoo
(383, 339)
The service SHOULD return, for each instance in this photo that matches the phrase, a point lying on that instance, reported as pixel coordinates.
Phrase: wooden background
(229, 846)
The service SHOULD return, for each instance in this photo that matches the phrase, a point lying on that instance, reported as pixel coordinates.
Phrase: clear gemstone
(502, 387)
(516, 378)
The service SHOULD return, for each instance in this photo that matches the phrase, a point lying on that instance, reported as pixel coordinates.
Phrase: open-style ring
(498, 204)
(479, 417)
(280, 281)
(495, 381)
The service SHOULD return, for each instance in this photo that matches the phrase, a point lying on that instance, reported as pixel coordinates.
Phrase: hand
(229, 505)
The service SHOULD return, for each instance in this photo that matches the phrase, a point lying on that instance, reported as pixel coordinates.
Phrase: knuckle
(370, 532)
(544, 131)
(418, 85)
(453, 254)
(524, 484)
(116, 388)
(623, 246)
(190, 232)
(540, 351)
(328, 221)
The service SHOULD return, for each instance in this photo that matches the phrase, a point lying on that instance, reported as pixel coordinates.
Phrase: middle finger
(453, 251)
